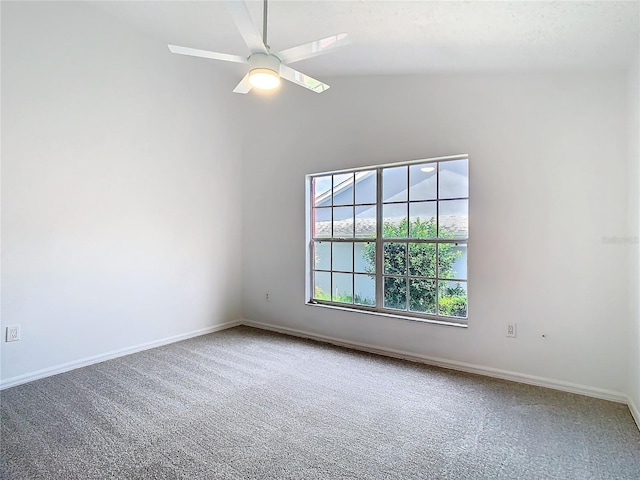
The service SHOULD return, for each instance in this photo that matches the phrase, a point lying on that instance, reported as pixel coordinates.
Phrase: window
(391, 239)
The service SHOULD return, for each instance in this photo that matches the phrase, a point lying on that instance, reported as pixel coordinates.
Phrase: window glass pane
(322, 191)
(343, 189)
(422, 180)
(453, 218)
(453, 179)
(366, 221)
(452, 299)
(365, 257)
(365, 289)
(342, 288)
(422, 296)
(422, 260)
(395, 293)
(394, 184)
(395, 223)
(422, 216)
(395, 258)
(322, 222)
(421, 206)
(343, 222)
(366, 187)
(452, 261)
(322, 285)
(343, 256)
(322, 256)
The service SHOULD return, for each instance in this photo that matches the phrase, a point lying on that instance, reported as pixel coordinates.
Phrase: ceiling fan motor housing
(259, 61)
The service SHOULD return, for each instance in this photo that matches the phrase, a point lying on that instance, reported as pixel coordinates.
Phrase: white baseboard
(635, 413)
(65, 367)
(464, 367)
(453, 365)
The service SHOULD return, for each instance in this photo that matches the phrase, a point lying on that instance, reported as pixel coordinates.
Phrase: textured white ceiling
(408, 37)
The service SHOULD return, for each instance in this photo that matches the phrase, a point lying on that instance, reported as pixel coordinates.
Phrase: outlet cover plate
(13, 333)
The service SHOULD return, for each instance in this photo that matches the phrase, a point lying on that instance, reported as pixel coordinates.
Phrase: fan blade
(242, 18)
(194, 52)
(313, 49)
(301, 79)
(244, 86)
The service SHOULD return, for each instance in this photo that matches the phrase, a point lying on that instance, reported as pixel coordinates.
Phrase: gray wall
(632, 247)
(121, 196)
(548, 169)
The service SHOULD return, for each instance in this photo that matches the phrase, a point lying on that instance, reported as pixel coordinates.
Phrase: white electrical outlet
(13, 333)
(511, 330)
(267, 297)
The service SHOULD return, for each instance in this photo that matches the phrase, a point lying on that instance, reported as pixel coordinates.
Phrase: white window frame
(379, 241)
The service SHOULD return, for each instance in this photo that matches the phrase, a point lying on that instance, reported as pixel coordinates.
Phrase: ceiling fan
(266, 68)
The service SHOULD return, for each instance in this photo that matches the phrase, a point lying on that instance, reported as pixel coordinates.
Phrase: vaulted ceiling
(410, 37)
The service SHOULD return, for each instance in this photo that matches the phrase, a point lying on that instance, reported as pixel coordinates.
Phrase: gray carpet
(244, 404)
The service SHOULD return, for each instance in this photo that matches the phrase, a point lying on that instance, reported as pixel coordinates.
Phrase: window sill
(390, 315)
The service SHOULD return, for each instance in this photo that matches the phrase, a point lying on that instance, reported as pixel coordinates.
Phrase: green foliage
(418, 260)
(454, 305)
(320, 294)
(421, 259)
(359, 300)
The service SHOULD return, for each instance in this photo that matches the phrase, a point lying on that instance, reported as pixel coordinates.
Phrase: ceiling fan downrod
(264, 26)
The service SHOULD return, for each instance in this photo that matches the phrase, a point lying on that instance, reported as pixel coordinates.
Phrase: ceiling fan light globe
(264, 79)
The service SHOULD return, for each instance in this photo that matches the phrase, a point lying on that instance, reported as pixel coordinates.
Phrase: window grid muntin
(378, 240)
(331, 270)
(438, 279)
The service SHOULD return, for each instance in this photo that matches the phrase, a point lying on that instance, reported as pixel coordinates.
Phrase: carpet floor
(249, 404)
